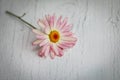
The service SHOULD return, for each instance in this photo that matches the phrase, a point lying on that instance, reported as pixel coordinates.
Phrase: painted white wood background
(96, 56)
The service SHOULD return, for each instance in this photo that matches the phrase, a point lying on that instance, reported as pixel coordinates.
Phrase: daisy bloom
(54, 37)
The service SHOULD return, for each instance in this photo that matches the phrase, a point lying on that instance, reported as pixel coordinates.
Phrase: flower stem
(10, 13)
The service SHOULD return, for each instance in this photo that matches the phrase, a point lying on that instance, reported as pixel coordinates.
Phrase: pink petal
(47, 30)
(37, 32)
(54, 48)
(41, 37)
(67, 42)
(63, 24)
(52, 54)
(58, 22)
(41, 54)
(67, 34)
(52, 21)
(47, 49)
(36, 42)
(60, 52)
(72, 39)
(40, 23)
(42, 51)
(48, 18)
(46, 23)
(63, 46)
(66, 45)
(44, 42)
(54, 17)
(67, 28)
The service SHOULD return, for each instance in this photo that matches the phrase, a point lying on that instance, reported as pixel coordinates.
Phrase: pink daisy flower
(54, 37)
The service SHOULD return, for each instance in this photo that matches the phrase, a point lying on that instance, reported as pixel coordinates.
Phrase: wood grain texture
(96, 56)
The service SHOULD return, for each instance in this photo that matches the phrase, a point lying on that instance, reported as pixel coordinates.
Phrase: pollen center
(54, 36)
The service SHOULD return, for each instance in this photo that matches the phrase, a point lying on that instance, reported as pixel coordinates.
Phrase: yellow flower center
(54, 36)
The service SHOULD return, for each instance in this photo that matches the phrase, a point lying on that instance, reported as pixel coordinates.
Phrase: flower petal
(36, 42)
(46, 23)
(63, 46)
(67, 34)
(63, 24)
(44, 42)
(57, 51)
(37, 32)
(67, 28)
(52, 21)
(66, 45)
(42, 51)
(40, 23)
(41, 37)
(47, 30)
(58, 24)
(72, 39)
(47, 50)
(52, 54)
(54, 48)
(60, 52)
(48, 18)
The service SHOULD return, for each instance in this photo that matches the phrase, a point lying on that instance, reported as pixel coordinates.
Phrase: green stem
(10, 13)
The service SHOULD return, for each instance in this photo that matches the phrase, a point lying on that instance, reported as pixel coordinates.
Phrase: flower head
(54, 37)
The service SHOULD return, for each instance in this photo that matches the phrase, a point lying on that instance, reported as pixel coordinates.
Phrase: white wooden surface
(96, 56)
